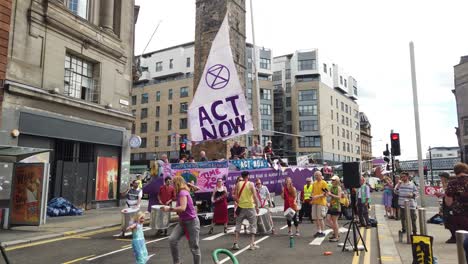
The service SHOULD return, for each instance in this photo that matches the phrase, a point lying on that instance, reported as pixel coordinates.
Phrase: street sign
(432, 190)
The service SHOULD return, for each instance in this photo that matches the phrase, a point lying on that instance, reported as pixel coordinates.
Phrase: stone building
(461, 97)
(5, 17)
(366, 142)
(67, 89)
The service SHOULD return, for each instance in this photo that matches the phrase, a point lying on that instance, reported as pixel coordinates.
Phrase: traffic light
(386, 154)
(183, 150)
(395, 140)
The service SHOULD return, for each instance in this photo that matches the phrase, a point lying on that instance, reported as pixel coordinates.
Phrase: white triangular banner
(219, 109)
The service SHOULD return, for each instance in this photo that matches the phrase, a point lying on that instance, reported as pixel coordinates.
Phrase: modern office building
(67, 90)
(315, 103)
(160, 100)
(461, 97)
(366, 142)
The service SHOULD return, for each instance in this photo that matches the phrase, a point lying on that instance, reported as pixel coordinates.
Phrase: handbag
(289, 213)
(238, 209)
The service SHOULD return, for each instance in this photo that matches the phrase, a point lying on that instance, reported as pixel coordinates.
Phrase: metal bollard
(408, 222)
(422, 221)
(461, 235)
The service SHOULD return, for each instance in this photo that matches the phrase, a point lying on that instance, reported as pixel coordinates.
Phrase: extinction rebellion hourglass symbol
(217, 76)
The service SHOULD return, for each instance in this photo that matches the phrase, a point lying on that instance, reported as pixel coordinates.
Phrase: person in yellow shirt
(319, 203)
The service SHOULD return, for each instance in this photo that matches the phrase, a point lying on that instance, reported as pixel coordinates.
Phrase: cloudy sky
(369, 38)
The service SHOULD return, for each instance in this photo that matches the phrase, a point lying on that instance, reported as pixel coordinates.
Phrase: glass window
(288, 115)
(277, 76)
(288, 101)
(333, 143)
(79, 79)
(133, 128)
(158, 111)
(169, 109)
(143, 128)
(158, 96)
(288, 87)
(187, 63)
(78, 7)
(331, 100)
(143, 143)
(133, 112)
(338, 145)
(156, 126)
(342, 106)
(183, 107)
(184, 92)
(156, 141)
(344, 146)
(465, 127)
(171, 63)
(183, 123)
(169, 124)
(307, 65)
(355, 91)
(348, 149)
(169, 140)
(347, 134)
(341, 79)
(144, 98)
(265, 94)
(333, 129)
(265, 109)
(267, 124)
(342, 119)
(337, 104)
(134, 100)
(343, 132)
(144, 113)
(170, 94)
(345, 83)
(307, 110)
(347, 121)
(325, 68)
(159, 66)
(306, 142)
(331, 114)
(287, 74)
(265, 63)
(346, 108)
(308, 125)
(308, 95)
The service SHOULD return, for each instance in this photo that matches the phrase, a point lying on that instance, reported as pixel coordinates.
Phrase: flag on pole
(219, 108)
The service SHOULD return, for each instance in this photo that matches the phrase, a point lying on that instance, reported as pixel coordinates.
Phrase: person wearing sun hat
(334, 210)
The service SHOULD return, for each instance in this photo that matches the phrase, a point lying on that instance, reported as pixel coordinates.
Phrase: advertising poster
(203, 174)
(107, 178)
(28, 183)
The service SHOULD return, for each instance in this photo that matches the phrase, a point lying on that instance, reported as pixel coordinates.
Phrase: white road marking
(318, 241)
(229, 230)
(123, 249)
(242, 250)
(283, 227)
(146, 228)
(343, 229)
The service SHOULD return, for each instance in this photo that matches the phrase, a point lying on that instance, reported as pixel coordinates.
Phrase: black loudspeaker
(351, 174)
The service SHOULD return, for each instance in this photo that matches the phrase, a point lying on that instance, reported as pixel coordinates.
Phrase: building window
(288, 87)
(346, 108)
(307, 65)
(337, 130)
(307, 110)
(133, 128)
(338, 144)
(183, 138)
(170, 94)
(265, 63)
(169, 124)
(144, 98)
(144, 113)
(143, 128)
(348, 149)
(342, 106)
(265, 109)
(78, 7)
(156, 126)
(156, 141)
(325, 68)
(183, 107)
(341, 79)
(343, 133)
(169, 140)
(288, 101)
(169, 109)
(183, 123)
(158, 111)
(143, 143)
(79, 79)
(333, 128)
(344, 146)
(159, 66)
(277, 76)
(336, 104)
(267, 124)
(265, 94)
(133, 112)
(187, 63)
(134, 100)
(308, 125)
(183, 92)
(306, 142)
(331, 100)
(355, 91)
(171, 63)
(333, 143)
(345, 83)
(288, 115)
(287, 74)
(309, 95)
(158, 96)
(331, 114)
(347, 121)
(347, 134)
(465, 127)
(356, 114)
(337, 117)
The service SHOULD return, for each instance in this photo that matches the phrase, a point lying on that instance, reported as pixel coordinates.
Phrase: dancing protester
(247, 209)
(363, 200)
(264, 198)
(457, 197)
(306, 198)
(319, 203)
(220, 211)
(334, 210)
(289, 194)
(388, 197)
(406, 190)
(188, 226)
(138, 238)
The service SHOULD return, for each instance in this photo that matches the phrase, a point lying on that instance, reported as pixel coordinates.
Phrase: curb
(387, 247)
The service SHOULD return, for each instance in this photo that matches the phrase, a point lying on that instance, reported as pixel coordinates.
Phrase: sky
(369, 38)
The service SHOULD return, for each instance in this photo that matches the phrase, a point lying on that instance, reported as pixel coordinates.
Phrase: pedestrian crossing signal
(395, 140)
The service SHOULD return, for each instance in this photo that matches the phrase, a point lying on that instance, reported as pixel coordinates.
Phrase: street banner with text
(219, 109)
(203, 174)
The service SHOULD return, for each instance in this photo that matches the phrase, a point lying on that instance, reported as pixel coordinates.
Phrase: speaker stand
(2, 249)
(353, 225)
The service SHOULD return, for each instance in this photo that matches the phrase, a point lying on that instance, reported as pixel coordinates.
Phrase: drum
(127, 215)
(263, 221)
(159, 219)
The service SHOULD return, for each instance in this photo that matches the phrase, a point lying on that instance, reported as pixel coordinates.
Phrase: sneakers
(316, 234)
(451, 240)
(235, 246)
(297, 233)
(289, 233)
(319, 234)
(334, 239)
(254, 247)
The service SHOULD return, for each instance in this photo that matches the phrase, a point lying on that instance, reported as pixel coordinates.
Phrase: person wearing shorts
(248, 206)
(319, 203)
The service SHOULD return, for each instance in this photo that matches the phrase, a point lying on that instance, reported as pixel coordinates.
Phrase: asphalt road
(104, 246)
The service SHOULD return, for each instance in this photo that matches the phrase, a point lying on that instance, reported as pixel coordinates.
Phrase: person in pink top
(188, 226)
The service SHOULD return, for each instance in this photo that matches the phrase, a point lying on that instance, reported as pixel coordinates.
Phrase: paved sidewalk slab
(388, 250)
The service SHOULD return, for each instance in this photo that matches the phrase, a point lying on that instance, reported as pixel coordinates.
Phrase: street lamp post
(430, 165)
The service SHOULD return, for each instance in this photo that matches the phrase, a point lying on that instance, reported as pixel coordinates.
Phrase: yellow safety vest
(308, 191)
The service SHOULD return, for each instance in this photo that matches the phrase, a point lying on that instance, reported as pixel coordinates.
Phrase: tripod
(2, 249)
(353, 225)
